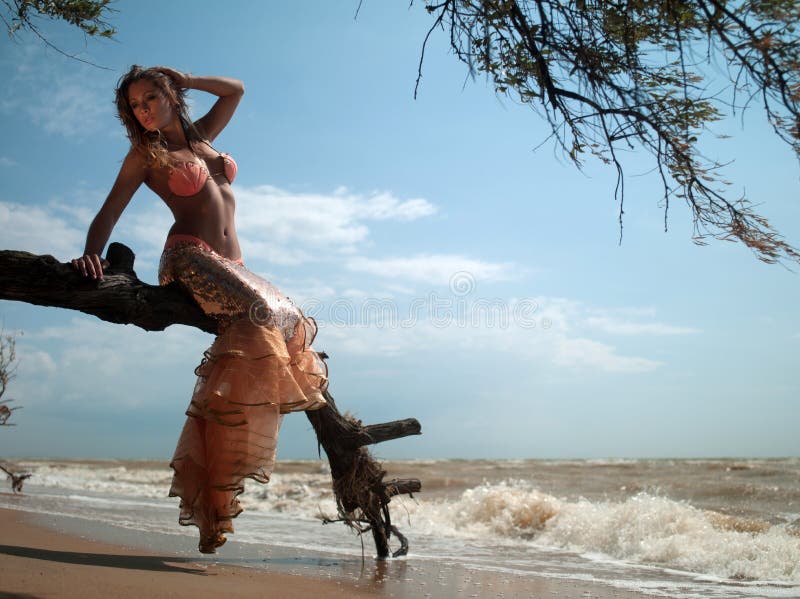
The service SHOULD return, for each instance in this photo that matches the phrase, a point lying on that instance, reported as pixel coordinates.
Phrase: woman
(261, 365)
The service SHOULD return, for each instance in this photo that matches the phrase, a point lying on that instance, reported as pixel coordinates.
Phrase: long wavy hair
(151, 144)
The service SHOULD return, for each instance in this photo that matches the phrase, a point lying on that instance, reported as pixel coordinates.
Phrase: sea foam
(645, 529)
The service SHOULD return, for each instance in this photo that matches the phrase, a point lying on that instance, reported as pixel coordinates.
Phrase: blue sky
(458, 276)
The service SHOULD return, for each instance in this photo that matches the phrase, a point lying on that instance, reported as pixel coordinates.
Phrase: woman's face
(150, 105)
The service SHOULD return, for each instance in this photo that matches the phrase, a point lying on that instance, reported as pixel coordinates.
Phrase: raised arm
(131, 176)
(230, 91)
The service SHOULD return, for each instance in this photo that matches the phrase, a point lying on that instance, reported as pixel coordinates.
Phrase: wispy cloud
(275, 226)
(72, 108)
(554, 331)
(540, 330)
(6, 161)
(384, 206)
(73, 102)
(627, 327)
(512, 344)
(40, 230)
(285, 227)
(582, 353)
(438, 269)
(55, 367)
(147, 226)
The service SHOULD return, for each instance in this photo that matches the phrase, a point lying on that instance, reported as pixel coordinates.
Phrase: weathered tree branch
(5, 412)
(586, 68)
(17, 478)
(120, 297)
(362, 497)
(378, 433)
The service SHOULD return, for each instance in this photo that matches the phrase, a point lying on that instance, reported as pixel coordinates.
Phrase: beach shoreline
(45, 555)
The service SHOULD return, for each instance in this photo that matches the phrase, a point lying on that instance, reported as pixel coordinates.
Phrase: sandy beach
(39, 561)
(54, 556)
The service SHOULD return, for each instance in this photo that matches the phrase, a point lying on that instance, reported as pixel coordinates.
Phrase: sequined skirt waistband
(179, 238)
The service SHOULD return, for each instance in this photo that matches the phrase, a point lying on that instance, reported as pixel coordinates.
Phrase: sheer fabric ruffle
(260, 366)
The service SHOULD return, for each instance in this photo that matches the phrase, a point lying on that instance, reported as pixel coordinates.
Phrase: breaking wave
(645, 529)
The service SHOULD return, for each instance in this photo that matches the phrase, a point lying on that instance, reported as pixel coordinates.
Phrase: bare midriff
(208, 215)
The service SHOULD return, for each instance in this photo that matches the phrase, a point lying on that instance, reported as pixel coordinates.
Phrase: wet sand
(43, 556)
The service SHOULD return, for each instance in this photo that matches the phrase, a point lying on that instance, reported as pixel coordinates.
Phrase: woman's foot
(209, 543)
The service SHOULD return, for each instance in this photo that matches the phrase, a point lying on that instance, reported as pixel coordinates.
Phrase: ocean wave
(644, 529)
(112, 479)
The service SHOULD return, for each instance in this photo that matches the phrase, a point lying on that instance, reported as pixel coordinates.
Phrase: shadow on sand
(150, 563)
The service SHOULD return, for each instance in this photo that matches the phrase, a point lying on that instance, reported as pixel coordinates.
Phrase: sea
(683, 528)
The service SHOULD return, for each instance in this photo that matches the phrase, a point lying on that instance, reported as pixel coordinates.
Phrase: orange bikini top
(187, 178)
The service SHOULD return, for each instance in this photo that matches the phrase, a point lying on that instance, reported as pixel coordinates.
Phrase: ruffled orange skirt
(260, 366)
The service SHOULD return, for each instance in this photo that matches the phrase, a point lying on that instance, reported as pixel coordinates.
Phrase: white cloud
(275, 226)
(36, 361)
(623, 327)
(384, 206)
(461, 273)
(579, 353)
(73, 101)
(317, 223)
(580, 318)
(275, 223)
(540, 330)
(538, 343)
(365, 340)
(62, 363)
(40, 230)
(272, 251)
(5, 161)
(80, 211)
(59, 227)
(72, 109)
(148, 227)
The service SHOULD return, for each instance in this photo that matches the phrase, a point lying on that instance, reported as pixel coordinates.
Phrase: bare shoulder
(135, 170)
(132, 174)
(134, 162)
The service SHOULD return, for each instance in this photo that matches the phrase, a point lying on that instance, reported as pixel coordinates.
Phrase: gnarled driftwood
(17, 478)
